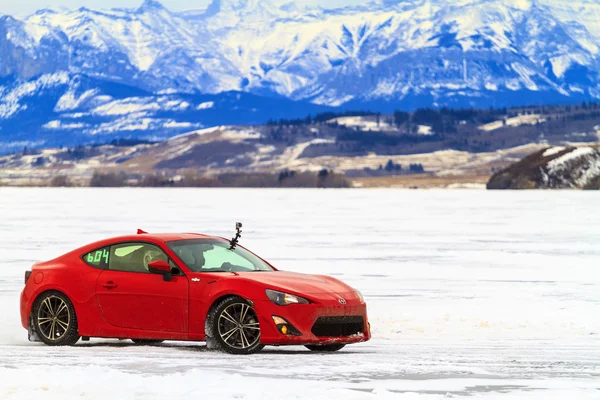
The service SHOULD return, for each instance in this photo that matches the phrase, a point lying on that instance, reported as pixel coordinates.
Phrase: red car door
(129, 296)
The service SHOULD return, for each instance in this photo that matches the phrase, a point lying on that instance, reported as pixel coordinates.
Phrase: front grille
(338, 326)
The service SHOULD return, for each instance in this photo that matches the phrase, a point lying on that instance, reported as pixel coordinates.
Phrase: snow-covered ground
(481, 294)
(363, 123)
(514, 122)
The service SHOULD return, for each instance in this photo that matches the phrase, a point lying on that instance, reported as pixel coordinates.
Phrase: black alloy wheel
(233, 326)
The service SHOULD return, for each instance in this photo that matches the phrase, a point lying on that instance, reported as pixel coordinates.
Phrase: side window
(97, 258)
(217, 257)
(134, 257)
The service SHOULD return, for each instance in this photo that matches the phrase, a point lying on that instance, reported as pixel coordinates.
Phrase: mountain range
(71, 76)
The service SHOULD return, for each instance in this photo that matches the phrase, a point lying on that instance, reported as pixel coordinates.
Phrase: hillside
(424, 148)
(552, 168)
(84, 75)
(239, 150)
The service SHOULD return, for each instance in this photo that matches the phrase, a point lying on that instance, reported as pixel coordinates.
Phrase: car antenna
(238, 235)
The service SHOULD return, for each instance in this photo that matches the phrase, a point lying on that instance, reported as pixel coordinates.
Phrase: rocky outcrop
(552, 168)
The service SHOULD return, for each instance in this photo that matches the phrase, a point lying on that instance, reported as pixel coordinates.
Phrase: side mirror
(161, 267)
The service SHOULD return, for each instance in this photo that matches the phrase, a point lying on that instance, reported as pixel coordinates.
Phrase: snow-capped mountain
(382, 55)
(384, 51)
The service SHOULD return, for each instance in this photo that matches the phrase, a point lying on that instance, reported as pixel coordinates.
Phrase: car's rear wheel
(54, 319)
(233, 327)
(146, 342)
(325, 347)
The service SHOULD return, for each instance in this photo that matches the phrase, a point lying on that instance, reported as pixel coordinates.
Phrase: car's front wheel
(325, 347)
(54, 319)
(233, 327)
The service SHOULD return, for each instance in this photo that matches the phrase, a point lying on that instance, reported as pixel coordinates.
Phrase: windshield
(213, 255)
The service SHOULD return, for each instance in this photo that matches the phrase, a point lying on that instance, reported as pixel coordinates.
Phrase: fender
(205, 295)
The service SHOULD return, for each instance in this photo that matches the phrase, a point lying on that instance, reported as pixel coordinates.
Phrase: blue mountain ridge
(38, 122)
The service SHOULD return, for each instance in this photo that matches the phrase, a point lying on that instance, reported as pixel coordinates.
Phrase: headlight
(284, 299)
(360, 296)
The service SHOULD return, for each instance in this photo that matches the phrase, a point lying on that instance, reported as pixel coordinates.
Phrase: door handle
(109, 285)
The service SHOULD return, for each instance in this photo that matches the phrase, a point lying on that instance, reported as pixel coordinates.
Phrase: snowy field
(470, 293)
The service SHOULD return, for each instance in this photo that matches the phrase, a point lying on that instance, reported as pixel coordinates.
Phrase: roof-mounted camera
(238, 235)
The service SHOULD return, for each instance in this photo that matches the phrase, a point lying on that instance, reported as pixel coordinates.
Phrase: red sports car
(190, 287)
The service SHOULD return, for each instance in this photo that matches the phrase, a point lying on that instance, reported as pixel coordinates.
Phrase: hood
(297, 283)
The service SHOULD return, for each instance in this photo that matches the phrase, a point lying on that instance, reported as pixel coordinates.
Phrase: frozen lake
(470, 293)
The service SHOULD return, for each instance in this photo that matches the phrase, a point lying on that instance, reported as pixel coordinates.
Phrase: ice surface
(485, 294)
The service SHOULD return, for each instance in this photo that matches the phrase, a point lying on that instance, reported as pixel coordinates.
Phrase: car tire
(146, 342)
(232, 326)
(325, 348)
(54, 319)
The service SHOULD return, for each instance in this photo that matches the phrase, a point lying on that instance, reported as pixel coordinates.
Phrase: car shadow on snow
(202, 348)
(269, 350)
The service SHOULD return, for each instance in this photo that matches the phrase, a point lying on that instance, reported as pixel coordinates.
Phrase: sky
(26, 7)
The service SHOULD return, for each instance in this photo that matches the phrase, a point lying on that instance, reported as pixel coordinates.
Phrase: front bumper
(303, 318)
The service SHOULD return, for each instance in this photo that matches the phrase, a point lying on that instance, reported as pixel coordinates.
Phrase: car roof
(169, 237)
(160, 237)
(146, 237)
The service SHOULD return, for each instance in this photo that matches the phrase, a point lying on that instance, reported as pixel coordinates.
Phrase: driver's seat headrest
(186, 256)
